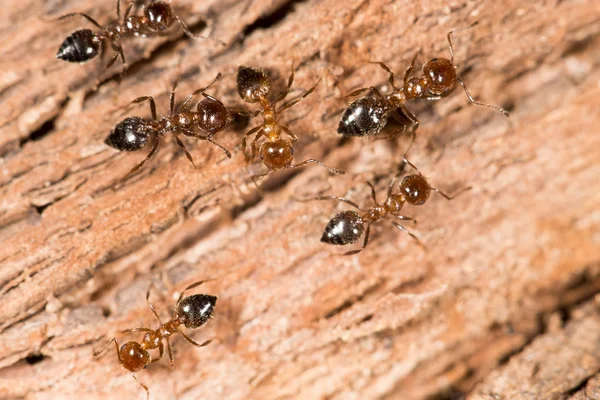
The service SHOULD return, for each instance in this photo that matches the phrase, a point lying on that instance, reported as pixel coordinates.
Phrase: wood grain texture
(505, 289)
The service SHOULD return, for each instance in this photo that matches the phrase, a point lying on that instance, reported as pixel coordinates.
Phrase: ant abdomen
(134, 357)
(129, 135)
(213, 116)
(441, 75)
(365, 116)
(195, 311)
(252, 84)
(345, 228)
(80, 47)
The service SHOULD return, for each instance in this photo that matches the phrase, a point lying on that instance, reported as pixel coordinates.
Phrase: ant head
(213, 116)
(195, 310)
(277, 155)
(133, 356)
(440, 74)
(345, 228)
(129, 135)
(252, 84)
(81, 46)
(415, 189)
(159, 15)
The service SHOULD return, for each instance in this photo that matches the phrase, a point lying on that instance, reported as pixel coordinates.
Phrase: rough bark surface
(502, 305)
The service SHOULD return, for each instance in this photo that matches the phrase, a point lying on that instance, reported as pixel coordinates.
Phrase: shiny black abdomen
(364, 117)
(80, 46)
(129, 135)
(345, 228)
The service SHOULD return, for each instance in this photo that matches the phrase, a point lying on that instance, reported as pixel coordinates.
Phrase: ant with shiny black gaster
(347, 227)
(85, 44)
(191, 311)
(368, 115)
(211, 116)
(276, 153)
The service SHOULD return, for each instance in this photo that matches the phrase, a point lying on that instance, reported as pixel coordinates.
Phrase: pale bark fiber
(500, 306)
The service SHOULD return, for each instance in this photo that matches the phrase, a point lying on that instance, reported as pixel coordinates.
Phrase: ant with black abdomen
(276, 153)
(347, 227)
(368, 115)
(211, 116)
(85, 44)
(191, 311)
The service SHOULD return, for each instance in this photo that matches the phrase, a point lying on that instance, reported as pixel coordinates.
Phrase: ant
(276, 153)
(85, 44)
(211, 116)
(192, 311)
(368, 115)
(347, 227)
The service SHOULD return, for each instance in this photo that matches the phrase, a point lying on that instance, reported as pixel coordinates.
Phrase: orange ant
(368, 115)
(277, 153)
(191, 311)
(347, 227)
(211, 116)
(85, 44)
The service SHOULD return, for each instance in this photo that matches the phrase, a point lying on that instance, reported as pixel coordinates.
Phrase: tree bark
(501, 305)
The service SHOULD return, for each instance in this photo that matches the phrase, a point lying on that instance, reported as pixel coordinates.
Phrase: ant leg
(192, 341)
(255, 143)
(170, 351)
(182, 147)
(413, 119)
(256, 177)
(90, 19)
(289, 133)
(125, 66)
(403, 218)
(114, 339)
(197, 92)
(144, 386)
(373, 194)
(292, 103)
(342, 199)
(161, 353)
(363, 90)
(152, 104)
(403, 229)
(449, 37)
(191, 35)
(208, 138)
(193, 285)
(140, 329)
(250, 133)
(393, 182)
(388, 70)
(410, 68)
(284, 94)
(141, 163)
(314, 160)
(477, 103)
(172, 96)
(151, 306)
(455, 195)
(367, 232)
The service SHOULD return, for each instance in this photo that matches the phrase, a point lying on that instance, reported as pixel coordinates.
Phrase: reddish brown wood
(294, 319)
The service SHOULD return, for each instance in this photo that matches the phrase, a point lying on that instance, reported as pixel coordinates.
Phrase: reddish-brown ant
(191, 311)
(276, 153)
(347, 227)
(368, 115)
(85, 44)
(211, 116)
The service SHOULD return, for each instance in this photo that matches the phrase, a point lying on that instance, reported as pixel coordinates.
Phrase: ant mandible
(211, 116)
(276, 153)
(368, 115)
(191, 311)
(347, 227)
(85, 44)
